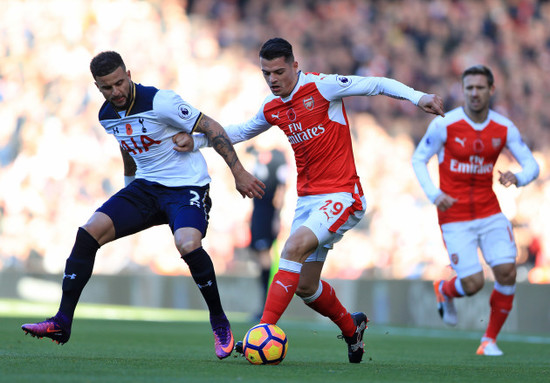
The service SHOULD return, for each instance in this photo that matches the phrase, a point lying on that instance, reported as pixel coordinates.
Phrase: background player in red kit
(308, 107)
(468, 141)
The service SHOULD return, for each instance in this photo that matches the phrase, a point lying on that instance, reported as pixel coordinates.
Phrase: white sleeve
(173, 111)
(523, 155)
(249, 129)
(199, 141)
(237, 132)
(335, 86)
(431, 144)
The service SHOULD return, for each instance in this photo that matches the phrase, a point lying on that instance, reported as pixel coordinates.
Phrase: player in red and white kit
(308, 107)
(468, 141)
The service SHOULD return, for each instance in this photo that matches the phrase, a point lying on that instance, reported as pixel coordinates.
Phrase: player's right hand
(432, 103)
(444, 201)
(184, 142)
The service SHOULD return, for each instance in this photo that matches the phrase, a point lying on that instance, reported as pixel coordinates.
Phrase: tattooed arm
(246, 183)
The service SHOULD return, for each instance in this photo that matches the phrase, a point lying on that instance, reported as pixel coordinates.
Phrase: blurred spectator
(48, 101)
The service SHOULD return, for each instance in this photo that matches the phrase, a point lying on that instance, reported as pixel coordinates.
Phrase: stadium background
(57, 165)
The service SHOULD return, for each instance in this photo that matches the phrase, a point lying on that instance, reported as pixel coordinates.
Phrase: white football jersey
(145, 131)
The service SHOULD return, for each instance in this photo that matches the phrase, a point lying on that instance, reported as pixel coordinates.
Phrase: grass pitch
(177, 346)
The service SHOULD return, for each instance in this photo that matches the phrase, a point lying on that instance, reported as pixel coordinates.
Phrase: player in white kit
(467, 142)
(163, 186)
(309, 109)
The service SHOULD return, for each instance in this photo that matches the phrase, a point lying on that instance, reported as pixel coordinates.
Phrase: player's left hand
(507, 179)
(432, 103)
(184, 142)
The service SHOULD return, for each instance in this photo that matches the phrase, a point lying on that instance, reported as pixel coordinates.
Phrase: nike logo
(53, 330)
(230, 345)
(462, 141)
(283, 286)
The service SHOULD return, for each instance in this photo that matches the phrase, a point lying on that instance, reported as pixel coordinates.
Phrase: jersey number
(146, 142)
(330, 208)
(195, 200)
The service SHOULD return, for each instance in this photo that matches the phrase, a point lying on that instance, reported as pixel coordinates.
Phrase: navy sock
(202, 271)
(78, 271)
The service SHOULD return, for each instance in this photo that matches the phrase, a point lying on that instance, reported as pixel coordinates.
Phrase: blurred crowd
(57, 165)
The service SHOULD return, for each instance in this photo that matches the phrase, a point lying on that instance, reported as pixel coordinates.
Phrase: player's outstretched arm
(246, 183)
(432, 103)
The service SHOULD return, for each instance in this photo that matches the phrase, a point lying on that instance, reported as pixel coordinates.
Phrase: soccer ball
(265, 344)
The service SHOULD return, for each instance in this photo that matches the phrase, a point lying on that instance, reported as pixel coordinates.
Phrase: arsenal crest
(309, 103)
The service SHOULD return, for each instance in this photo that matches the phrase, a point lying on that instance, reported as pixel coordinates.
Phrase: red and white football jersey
(467, 153)
(314, 119)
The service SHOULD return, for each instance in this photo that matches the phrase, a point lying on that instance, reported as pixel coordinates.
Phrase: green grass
(178, 347)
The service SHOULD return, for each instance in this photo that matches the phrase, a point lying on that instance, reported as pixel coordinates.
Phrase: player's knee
(187, 245)
(304, 290)
(505, 274)
(102, 230)
(295, 251)
(187, 240)
(472, 287)
(291, 252)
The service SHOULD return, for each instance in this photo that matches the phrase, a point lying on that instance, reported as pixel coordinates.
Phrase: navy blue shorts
(143, 204)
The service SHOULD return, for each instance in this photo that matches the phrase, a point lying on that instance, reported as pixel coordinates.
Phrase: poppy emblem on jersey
(129, 129)
(309, 103)
(184, 111)
(478, 146)
(291, 114)
(454, 258)
(343, 81)
(496, 142)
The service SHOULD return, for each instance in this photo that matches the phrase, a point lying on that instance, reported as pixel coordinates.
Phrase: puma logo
(275, 115)
(283, 286)
(70, 276)
(461, 141)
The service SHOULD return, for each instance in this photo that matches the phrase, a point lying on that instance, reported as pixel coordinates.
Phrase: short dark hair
(480, 69)
(105, 63)
(275, 48)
